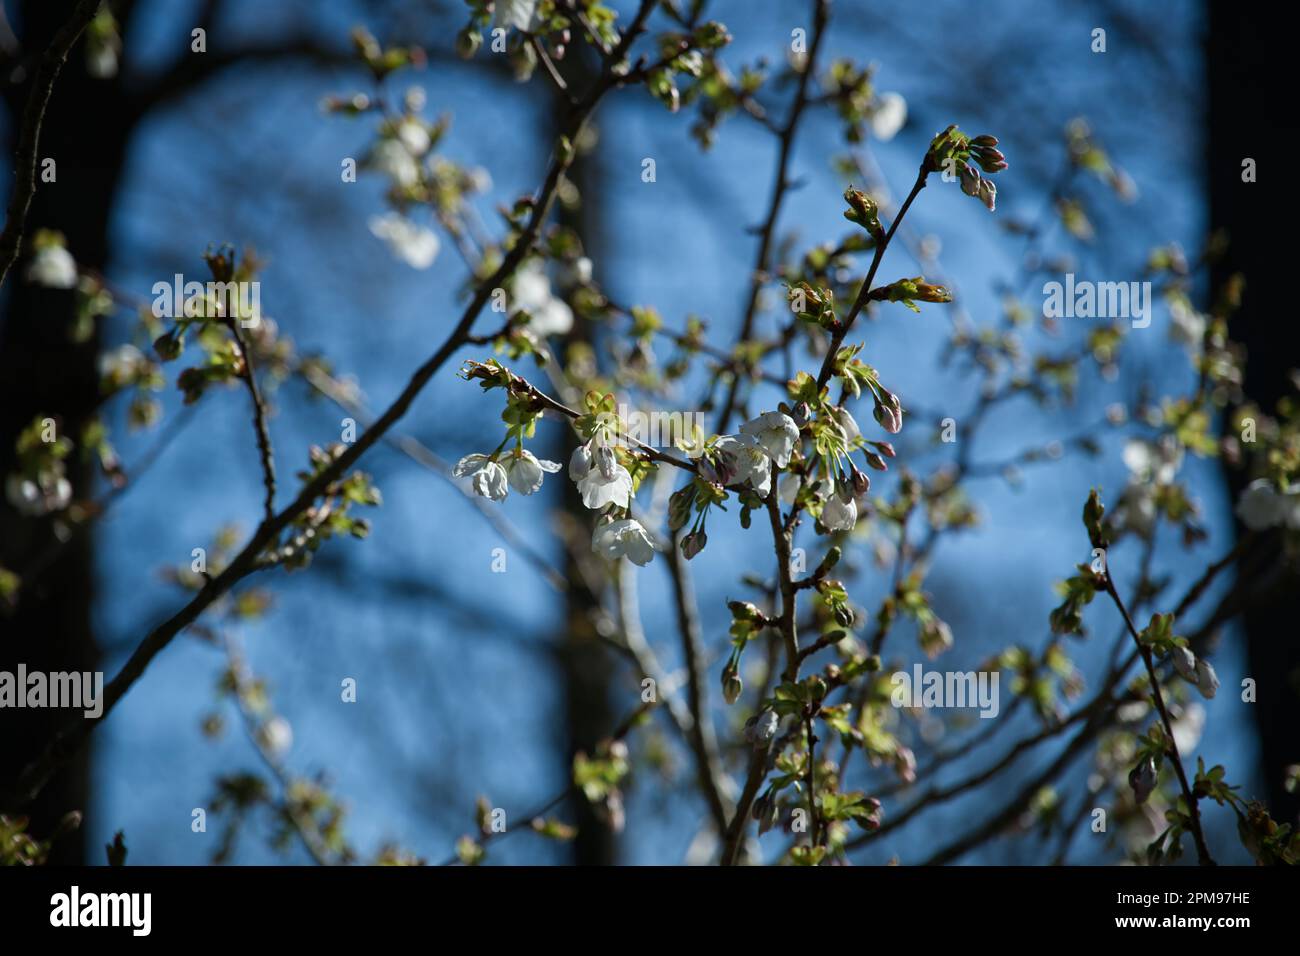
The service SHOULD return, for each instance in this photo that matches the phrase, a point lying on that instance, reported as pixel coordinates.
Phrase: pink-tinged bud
(988, 194)
(890, 418)
(885, 448)
(875, 461)
(970, 180)
(990, 160)
(694, 543)
(984, 141)
(861, 482)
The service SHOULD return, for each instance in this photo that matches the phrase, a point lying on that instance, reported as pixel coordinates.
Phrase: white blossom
(1260, 507)
(516, 13)
(600, 487)
(776, 433)
(35, 498)
(839, 515)
(414, 136)
(889, 117)
(1137, 508)
(525, 471)
(53, 267)
(848, 424)
(1187, 326)
(749, 460)
(121, 364)
(394, 160)
(625, 538)
(415, 245)
(487, 477)
(101, 60)
(1156, 462)
(788, 488)
(1188, 727)
(532, 293)
(275, 735)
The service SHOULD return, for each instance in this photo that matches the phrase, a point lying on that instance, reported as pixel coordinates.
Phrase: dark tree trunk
(587, 662)
(43, 372)
(1248, 119)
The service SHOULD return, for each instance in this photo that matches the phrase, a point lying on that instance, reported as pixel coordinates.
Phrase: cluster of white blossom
(605, 484)
(1263, 506)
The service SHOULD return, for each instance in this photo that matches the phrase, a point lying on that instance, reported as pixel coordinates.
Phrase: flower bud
(991, 160)
(890, 420)
(766, 812)
(694, 543)
(1207, 681)
(744, 610)
(970, 180)
(679, 507)
(732, 685)
(468, 42)
(580, 463)
(1142, 779)
(168, 346)
(875, 461)
(861, 481)
(988, 194)
(1185, 664)
(864, 211)
(984, 141)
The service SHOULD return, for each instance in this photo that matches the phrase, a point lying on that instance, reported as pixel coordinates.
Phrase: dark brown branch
(864, 294)
(701, 738)
(780, 185)
(264, 450)
(1193, 807)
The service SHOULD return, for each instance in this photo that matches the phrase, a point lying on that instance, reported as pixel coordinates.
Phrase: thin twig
(1193, 808)
(29, 134)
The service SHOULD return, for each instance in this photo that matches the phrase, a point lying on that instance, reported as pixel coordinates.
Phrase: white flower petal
(415, 245)
(889, 117)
